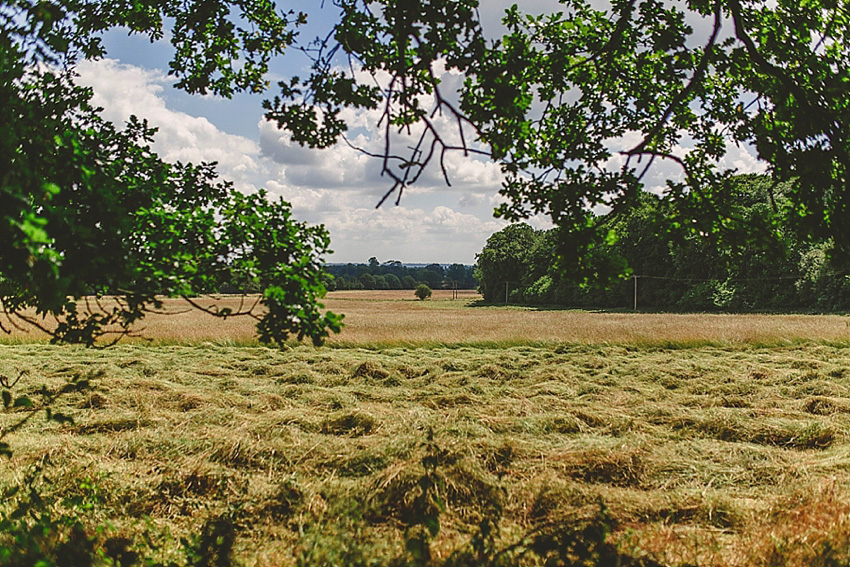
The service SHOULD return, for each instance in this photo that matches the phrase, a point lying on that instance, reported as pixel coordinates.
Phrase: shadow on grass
(527, 307)
(650, 311)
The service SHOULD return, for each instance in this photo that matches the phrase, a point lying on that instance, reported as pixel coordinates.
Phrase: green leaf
(22, 402)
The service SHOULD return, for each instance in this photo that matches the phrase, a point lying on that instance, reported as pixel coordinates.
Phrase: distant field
(385, 318)
(708, 439)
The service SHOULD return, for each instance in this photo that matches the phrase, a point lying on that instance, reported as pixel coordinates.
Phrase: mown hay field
(707, 440)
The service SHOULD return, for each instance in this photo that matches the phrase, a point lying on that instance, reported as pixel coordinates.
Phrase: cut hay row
(710, 455)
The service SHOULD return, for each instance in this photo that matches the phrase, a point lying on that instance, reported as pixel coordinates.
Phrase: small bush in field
(422, 291)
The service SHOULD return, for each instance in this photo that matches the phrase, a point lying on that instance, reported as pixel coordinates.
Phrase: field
(696, 439)
(396, 318)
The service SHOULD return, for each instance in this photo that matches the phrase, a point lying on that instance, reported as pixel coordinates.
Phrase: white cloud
(742, 159)
(337, 187)
(440, 234)
(123, 90)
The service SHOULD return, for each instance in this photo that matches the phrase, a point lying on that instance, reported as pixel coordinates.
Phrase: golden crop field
(695, 439)
(397, 318)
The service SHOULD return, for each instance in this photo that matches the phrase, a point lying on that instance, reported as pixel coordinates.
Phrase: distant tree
(393, 282)
(393, 267)
(374, 264)
(423, 292)
(437, 269)
(463, 275)
(367, 281)
(407, 282)
(455, 272)
(429, 277)
(506, 260)
(381, 282)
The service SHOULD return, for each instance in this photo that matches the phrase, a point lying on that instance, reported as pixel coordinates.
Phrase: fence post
(636, 278)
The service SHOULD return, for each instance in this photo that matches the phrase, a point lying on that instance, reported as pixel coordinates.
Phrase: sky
(338, 187)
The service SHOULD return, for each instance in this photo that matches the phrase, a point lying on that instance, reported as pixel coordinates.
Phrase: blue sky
(337, 187)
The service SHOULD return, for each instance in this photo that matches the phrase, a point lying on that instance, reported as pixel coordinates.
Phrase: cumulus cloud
(125, 90)
(440, 234)
(350, 167)
(742, 159)
(350, 164)
(337, 187)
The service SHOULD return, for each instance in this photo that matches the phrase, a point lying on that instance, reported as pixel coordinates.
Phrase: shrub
(422, 291)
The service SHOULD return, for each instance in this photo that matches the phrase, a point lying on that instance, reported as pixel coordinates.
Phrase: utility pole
(506, 293)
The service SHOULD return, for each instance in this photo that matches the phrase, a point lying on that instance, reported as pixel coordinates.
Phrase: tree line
(692, 273)
(395, 275)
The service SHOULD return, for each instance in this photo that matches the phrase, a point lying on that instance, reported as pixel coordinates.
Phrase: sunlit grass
(701, 454)
(396, 318)
(711, 439)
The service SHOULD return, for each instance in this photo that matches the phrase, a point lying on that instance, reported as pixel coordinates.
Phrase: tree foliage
(507, 261)
(692, 274)
(88, 210)
(422, 292)
(579, 106)
(396, 275)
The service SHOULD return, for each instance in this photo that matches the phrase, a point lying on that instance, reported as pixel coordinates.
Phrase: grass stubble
(723, 451)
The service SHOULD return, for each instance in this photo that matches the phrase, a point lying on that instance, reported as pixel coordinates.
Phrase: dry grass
(732, 455)
(397, 318)
(392, 317)
(712, 439)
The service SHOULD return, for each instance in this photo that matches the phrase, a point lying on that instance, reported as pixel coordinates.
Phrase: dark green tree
(408, 282)
(430, 277)
(437, 269)
(368, 281)
(461, 275)
(506, 262)
(691, 274)
(392, 281)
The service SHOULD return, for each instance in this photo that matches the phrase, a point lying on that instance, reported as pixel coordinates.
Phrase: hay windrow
(700, 452)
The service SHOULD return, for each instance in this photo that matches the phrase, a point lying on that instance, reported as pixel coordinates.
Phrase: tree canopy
(579, 106)
(87, 210)
(690, 275)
